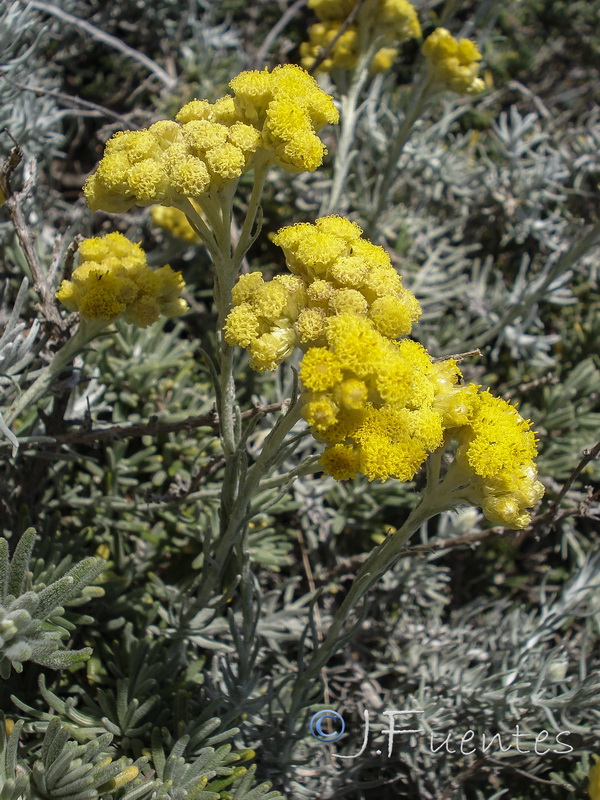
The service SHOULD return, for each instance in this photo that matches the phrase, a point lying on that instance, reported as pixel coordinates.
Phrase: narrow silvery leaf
(19, 564)
(4, 566)
(53, 596)
(10, 436)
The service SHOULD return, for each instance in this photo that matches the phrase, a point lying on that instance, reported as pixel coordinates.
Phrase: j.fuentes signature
(466, 743)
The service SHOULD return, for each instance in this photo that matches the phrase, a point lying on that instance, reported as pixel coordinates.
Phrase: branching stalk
(416, 104)
(432, 502)
(350, 113)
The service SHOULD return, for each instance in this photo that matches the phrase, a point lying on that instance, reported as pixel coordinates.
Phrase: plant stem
(237, 514)
(382, 558)
(201, 228)
(416, 103)
(239, 484)
(261, 167)
(350, 113)
(84, 334)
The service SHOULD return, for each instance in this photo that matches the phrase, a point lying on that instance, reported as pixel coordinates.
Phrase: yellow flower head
(242, 326)
(342, 55)
(455, 62)
(319, 410)
(223, 111)
(336, 273)
(225, 164)
(288, 108)
(332, 9)
(202, 135)
(320, 292)
(394, 442)
(351, 394)
(320, 369)
(399, 16)
(189, 177)
(113, 280)
(174, 222)
(383, 59)
(374, 396)
(394, 314)
(341, 461)
(210, 145)
(194, 110)
(310, 326)
(497, 448)
(270, 349)
(499, 440)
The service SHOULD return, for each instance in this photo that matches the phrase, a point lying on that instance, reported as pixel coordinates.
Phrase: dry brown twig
(41, 281)
(152, 427)
(459, 356)
(79, 102)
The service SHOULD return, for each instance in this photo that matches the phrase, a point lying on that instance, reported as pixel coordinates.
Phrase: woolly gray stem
(432, 502)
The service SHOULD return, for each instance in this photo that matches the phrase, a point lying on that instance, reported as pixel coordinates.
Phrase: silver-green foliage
(60, 767)
(16, 350)
(32, 117)
(33, 624)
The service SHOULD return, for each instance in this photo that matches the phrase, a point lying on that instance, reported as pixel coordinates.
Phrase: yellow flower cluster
(379, 402)
(335, 272)
(455, 62)
(210, 145)
(382, 406)
(289, 108)
(344, 53)
(174, 222)
(496, 451)
(393, 21)
(370, 399)
(113, 280)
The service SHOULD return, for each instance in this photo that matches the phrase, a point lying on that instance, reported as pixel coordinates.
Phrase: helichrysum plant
(112, 281)
(354, 53)
(454, 62)
(380, 403)
(376, 399)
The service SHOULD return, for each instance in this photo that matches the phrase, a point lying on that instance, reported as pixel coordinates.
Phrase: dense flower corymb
(113, 280)
(289, 108)
(497, 447)
(379, 402)
(336, 271)
(371, 400)
(210, 145)
(455, 62)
